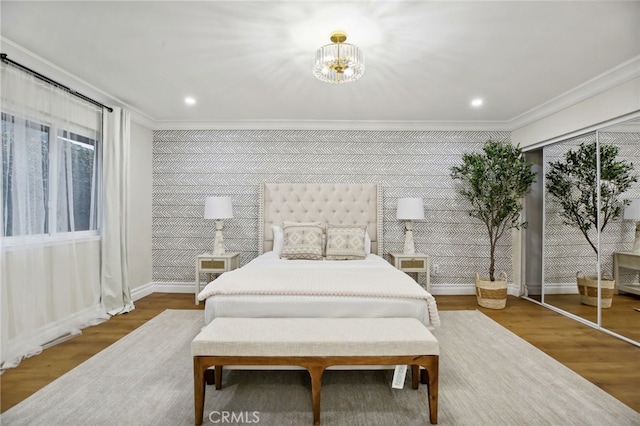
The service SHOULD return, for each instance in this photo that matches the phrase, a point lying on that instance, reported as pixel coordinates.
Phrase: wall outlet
(435, 268)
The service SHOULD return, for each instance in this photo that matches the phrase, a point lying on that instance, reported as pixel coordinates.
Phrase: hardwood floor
(621, 317)
(610, 363)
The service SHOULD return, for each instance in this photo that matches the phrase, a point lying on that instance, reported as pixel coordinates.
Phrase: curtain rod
(5, 59)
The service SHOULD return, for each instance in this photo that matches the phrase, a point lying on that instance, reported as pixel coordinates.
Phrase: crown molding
(618, 124)
(616, 76)
(623, 128)
(19, 54)
(143, 119)
(334, 125)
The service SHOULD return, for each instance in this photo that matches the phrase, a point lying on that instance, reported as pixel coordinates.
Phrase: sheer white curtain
(50, 242)
(116, 294)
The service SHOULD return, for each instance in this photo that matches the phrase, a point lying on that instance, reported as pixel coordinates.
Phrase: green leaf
(494, 181)
(572, 183)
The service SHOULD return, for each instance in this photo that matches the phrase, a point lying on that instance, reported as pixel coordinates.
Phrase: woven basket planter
(588, 289)
(492, 294)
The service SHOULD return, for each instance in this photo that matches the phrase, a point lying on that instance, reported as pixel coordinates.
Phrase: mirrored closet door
(569, 252)
(579, 230)
(617, 239)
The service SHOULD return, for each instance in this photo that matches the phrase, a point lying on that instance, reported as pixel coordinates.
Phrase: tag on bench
(399, 374)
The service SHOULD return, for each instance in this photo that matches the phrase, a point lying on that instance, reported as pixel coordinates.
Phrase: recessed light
(476, 102)
(190, 100)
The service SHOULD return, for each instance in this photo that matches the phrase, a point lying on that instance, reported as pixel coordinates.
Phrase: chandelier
(338, 62)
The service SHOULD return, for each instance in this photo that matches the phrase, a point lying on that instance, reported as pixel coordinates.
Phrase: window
(76, 169)
(48, 180)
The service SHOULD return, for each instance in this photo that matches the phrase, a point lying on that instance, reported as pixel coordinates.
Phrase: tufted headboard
(347, 203)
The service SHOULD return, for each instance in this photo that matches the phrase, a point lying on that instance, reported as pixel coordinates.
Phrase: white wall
(140, 187)
(613, 103)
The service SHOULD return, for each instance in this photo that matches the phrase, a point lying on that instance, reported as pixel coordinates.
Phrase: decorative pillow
(302, 240)
(345, 242)
(278, 239)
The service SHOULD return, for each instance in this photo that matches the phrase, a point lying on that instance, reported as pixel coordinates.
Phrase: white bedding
(272, 287)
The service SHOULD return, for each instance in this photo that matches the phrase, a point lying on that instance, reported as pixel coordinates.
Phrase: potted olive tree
(494, 182)
(572, 183)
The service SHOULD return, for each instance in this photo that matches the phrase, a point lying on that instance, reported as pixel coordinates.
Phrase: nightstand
(214, 264)
(626, 260)
(417, 262)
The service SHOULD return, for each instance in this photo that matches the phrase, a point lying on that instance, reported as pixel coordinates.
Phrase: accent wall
(189, 165)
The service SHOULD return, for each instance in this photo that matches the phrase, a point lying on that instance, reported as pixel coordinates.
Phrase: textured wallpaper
(191, 165)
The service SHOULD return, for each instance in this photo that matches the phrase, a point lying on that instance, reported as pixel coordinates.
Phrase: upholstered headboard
(347, 203)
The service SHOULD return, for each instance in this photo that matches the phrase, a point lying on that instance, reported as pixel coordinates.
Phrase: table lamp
(218, 208)
(632, 212)
(409, 209)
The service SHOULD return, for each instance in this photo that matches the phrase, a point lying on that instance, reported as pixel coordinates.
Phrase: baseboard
(189, 287)
(451, 290)
(161, 287)
(142, 291)
(456, 290)
(561, 288)
(174, 287)
(513, 290)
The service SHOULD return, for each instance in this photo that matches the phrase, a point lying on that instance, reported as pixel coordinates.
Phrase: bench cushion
(314, 337)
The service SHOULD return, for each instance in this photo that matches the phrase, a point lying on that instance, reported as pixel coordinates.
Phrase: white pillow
(278, 239)
(367, 242)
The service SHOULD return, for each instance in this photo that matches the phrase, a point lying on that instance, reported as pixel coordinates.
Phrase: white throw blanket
(384, 282)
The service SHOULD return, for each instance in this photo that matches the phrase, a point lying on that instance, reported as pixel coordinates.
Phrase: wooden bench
(315, 344)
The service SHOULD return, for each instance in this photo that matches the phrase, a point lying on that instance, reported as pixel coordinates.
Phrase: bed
(270, 286)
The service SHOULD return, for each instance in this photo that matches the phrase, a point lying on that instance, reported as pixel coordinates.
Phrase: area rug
(488, 376)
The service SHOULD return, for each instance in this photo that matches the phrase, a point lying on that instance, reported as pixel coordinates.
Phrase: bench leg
(430, 373)
(198, 389)
(316, 385)
(415, 372)
(218, 376)
(209, 377)
(214, 377)
(424, 377)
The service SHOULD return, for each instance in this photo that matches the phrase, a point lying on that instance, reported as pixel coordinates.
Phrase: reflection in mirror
(568, 252)
(617, 242)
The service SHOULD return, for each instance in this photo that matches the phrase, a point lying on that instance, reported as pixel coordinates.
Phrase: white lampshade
(632, 211)
(410, 209)
(218, 208)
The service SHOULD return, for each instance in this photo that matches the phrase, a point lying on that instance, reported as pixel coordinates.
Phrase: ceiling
(251, 61)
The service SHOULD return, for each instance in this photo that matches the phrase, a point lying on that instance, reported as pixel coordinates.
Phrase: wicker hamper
(588, 289)
(492, 294)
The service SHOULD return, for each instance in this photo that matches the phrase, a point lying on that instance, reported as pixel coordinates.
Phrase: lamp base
(218, 240)
(636, 242)
(409, 246)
